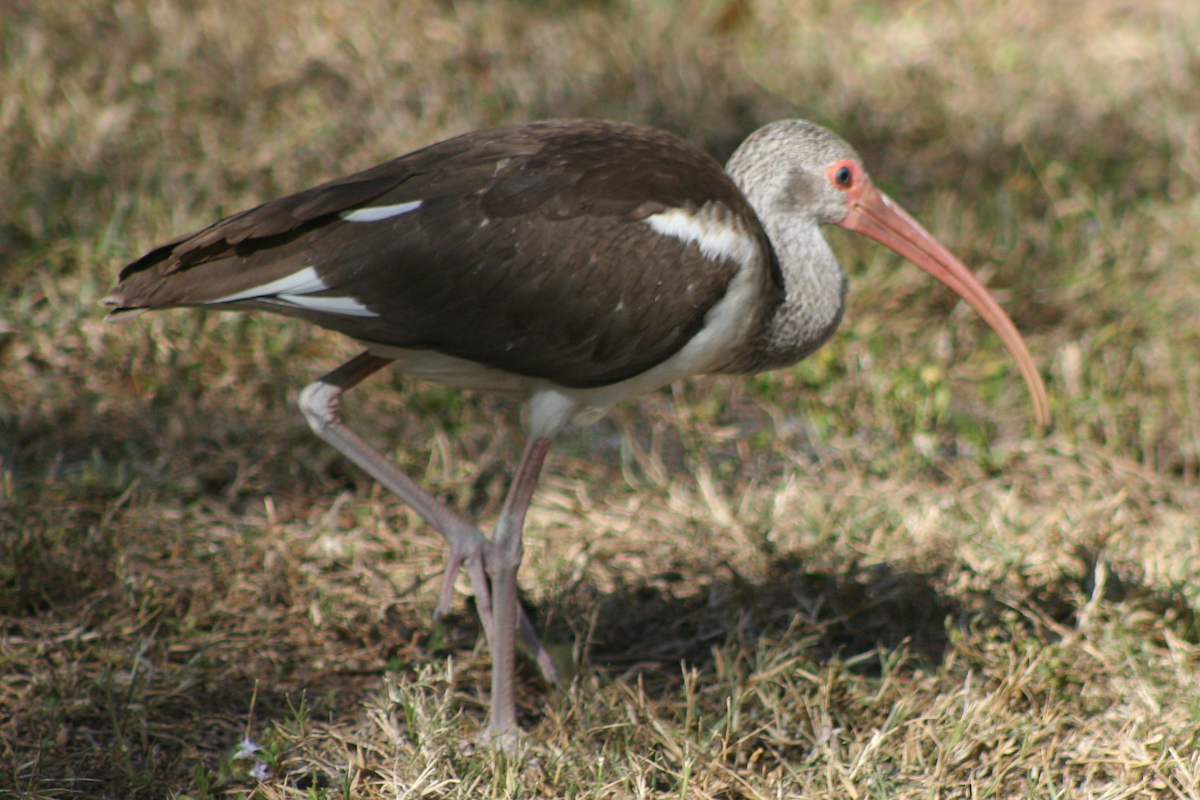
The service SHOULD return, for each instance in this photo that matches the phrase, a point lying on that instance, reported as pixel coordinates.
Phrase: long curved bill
(874, 214)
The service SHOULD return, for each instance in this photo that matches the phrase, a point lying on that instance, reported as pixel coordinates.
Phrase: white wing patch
(376, 213)
(295, 289)
(303, 282)
(716, 238)
(346, 306)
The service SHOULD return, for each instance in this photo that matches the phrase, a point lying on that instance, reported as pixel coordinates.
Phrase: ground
(864, 576)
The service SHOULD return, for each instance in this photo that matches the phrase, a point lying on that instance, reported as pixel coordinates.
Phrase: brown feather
(518, 258)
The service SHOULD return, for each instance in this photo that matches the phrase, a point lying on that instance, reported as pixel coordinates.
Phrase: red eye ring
(845, 174)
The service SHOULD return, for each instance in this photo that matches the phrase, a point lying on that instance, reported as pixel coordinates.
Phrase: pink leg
(503, 557)
(468, 547)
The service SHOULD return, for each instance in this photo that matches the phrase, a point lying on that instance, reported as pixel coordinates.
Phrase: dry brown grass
(859, 577)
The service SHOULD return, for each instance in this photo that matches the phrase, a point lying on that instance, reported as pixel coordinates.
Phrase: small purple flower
(246, 748)
(259, 771)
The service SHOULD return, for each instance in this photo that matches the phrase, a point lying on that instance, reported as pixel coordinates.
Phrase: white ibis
(573, 264)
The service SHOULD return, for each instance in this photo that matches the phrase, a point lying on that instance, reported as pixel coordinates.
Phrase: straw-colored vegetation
(864, 576)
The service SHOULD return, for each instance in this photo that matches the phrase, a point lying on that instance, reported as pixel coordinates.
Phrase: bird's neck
(813, 298)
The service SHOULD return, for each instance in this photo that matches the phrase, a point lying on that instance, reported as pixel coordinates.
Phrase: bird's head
(795, 169)
(781, 168)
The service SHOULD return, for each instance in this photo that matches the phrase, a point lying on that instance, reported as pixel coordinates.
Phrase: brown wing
(528, 252)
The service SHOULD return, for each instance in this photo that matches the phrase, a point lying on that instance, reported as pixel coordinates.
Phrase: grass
(860, 577)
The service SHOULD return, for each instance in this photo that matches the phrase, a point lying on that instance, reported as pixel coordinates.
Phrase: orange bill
(873, 214)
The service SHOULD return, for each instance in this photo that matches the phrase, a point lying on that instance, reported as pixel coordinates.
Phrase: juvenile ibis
(572, 264)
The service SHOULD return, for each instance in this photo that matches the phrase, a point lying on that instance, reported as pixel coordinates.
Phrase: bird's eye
(843, 176)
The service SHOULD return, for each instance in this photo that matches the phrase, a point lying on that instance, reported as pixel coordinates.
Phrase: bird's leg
(503, 559)
(320, 403)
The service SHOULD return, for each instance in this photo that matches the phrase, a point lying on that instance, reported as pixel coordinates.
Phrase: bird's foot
(506, 741)
(458, 555)
(472, 557)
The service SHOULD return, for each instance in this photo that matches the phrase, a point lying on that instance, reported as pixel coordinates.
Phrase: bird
(571, 264)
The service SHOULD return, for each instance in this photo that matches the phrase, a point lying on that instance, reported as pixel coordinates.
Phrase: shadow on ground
(112, 681)
(843, 614)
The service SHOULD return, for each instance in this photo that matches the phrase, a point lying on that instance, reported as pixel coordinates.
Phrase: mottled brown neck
(808, 310)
